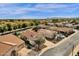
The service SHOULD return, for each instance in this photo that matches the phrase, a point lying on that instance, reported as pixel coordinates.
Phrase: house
(42, 26)
(76, 26)
(59, 24)
(11, 40)
(31, 38)
(68, 25)
(51, 24)
(28, 36)
(63, 30)
(47, 33)
(43, 22)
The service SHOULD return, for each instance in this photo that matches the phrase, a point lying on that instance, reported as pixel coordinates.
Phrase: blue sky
(38, 10)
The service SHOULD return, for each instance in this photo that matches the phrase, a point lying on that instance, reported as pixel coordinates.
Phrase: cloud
(5, 4)
(39, 10)
(50, 6)
(13, 9)
(31, 17)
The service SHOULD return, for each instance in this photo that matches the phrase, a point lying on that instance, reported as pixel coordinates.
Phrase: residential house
(51, 24)
(76, 26)
(68, 25)
(42, 26)
(47, 33)
(11, 40)
(63, 30)
(59, 24)
(28, 36)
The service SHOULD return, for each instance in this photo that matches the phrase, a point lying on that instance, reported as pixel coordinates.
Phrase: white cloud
(50, 6)
(15, 10)
(5, 4)
(31, 17)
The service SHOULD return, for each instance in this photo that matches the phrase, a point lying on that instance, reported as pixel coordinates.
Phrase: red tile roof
(29, 34)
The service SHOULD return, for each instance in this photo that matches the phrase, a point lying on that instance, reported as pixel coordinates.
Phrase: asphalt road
(65, 48)
(17, 30)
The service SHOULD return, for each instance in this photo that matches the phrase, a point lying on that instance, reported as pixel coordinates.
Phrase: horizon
(38, 10)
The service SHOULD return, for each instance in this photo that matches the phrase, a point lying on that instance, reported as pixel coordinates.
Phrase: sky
(38, 10)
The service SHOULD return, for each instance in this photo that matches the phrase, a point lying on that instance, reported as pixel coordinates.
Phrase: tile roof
(62, 29)
(4, 48)
(11, 39)
(29, 34)
(47, 33)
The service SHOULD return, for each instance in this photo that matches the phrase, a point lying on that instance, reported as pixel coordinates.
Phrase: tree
(1, 29)
(73, 21)
(36, 29)
(54, 20)
(31, 24)
(14, 26)
(39, 40)
(9, 27)
(77, 27)
(19, 26)
(44, 22)
(24, 25)
(36, 22)
(5, 28)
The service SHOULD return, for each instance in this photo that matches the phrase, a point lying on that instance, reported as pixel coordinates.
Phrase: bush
(16, 33)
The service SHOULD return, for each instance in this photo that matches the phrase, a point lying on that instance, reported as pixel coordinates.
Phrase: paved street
(65, 48)
(17, 30)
